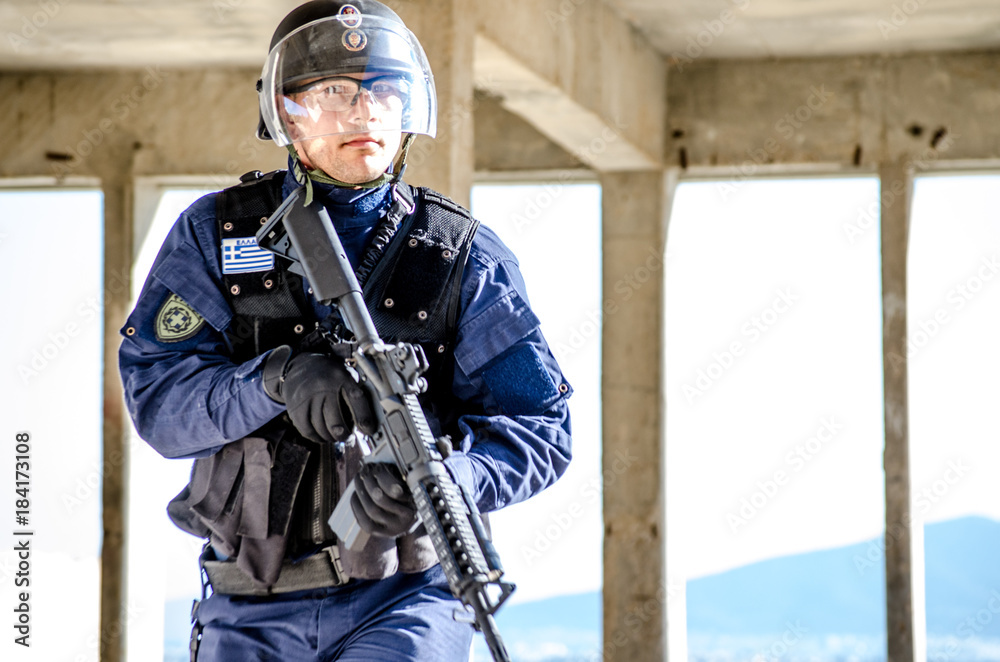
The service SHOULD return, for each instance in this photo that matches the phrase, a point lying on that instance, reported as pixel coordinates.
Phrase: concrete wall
(839, 113)
(150, 121)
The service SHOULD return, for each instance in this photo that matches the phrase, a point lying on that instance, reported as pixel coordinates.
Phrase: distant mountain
(835, 590)
(842, 590)
(963, 575)
(830, 602)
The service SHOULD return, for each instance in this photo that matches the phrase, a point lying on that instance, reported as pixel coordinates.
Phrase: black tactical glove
(324, 400)
(382, 503)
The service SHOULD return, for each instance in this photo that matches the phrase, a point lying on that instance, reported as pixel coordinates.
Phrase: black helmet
(322, 39)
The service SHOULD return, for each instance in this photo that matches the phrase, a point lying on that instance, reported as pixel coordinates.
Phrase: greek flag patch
(242, 255)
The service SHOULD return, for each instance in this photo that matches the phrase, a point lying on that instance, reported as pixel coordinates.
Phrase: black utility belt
(321, 570)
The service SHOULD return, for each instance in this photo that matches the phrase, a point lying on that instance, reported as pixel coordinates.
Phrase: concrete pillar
(116, 183)
(446, 29)
(634, 206)
(903, 560)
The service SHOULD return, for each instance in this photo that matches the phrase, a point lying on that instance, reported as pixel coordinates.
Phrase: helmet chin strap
(307, 176)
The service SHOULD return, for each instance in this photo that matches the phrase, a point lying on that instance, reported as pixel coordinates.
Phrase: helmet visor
(352, 73)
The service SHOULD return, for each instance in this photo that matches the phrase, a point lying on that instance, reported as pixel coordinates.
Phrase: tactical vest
(411, 278)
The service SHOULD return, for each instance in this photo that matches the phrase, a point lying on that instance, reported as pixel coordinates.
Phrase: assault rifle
(392, 373)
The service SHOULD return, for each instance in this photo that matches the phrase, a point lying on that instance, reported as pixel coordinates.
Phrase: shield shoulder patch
(177, 320)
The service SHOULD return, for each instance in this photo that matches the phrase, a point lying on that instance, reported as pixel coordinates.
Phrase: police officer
(227, 358)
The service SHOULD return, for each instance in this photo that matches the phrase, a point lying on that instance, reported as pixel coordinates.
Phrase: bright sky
(774, 385)
(52, 335)
(773, 337)
(954, 356)
(774, 369)
(550, 545)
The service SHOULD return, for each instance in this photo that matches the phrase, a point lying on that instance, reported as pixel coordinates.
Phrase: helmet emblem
(354, 40)
(349, 16)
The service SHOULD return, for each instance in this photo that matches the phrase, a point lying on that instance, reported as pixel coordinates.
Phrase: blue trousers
(405, 618)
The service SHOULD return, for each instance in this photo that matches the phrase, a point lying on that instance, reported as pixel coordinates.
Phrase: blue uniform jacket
(187, 398)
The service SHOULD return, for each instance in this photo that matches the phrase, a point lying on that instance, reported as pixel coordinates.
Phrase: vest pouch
(416, 551)
(378, 558)
(210, 492)
(242, 499)
(381, 557)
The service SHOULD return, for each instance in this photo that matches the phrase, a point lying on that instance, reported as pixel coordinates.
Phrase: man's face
(358, 117)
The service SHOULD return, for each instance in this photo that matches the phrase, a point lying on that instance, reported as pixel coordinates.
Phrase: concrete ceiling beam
(844, 114)
(578, 73)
